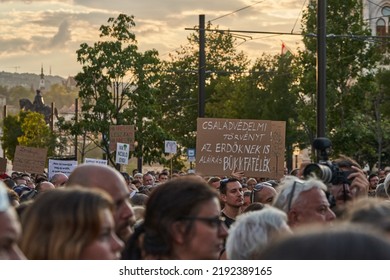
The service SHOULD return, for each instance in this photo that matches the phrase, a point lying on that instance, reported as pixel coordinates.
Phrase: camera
(325, 170)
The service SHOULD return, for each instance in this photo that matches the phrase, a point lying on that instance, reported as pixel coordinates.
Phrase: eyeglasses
(213, 222)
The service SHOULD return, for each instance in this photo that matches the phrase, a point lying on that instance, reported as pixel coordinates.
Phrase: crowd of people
(98, 212)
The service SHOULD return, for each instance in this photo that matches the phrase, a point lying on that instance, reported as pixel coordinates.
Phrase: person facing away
(70, 224)
(341, 242)
(10, 229)
(253, 231)
(182, 221)
(304, 201)
(110, 180)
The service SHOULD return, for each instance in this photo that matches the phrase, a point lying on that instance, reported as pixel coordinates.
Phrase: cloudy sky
(48, 33)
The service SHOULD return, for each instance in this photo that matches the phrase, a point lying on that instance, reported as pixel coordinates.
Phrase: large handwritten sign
(29, 159)
(121, 134)
(253, 146)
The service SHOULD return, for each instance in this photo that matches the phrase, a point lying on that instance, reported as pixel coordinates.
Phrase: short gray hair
(252, 231)
(290, 189)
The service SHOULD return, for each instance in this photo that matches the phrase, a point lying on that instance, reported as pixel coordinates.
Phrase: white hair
(290, 189)
(252, 231)
(386, 184)
(4, 200)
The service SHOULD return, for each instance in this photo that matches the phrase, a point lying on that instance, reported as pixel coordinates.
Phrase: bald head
(59, 179)
(96, 176)
(110, 180)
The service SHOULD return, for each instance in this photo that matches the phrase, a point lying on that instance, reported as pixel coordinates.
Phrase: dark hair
(345, 242)
(255, 206)
(168, 203)
(372, 176)
(163, 174)
(223, 184)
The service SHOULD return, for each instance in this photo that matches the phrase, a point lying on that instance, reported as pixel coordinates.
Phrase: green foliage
(26, 129)
(178, 95)
(348, 61)
(118, 86)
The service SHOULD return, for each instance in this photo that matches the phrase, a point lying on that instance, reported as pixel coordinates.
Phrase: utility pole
(321, 68)
(202, 67)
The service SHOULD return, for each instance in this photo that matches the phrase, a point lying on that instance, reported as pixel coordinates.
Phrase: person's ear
(178, 230)
(293, 217)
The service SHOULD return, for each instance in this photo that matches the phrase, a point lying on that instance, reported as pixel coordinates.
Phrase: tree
(27, 129)
(349, 59)
(178, 95)
(118, 86)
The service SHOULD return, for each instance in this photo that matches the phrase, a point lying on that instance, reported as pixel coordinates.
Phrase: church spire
(42, 81)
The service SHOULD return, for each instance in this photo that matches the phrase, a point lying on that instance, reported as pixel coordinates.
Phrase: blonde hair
(62, 222)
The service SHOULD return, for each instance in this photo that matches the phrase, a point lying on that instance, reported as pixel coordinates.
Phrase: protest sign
(95, 161)
(121, 134)
(122, 153)
(170, 147)
(29, 159)
(253, 146)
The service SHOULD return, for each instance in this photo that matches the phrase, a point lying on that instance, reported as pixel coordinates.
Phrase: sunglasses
(291, 195)
(258, 187)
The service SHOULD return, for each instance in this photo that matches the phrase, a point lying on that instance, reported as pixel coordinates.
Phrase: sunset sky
(48, 33)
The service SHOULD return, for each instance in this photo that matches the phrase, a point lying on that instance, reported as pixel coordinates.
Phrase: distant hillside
(27, 80)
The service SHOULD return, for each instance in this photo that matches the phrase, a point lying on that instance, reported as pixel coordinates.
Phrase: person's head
(148, 179)
(252, 231)
(231, 193)
(59, 179)
(70, 224)
(370, 212)
(255, 206)
(251, 183)
(380, 191)
(182, 221)
(263, 192)
(214, 182)
(163, 177)
(373, 179)
(19, 180)
(356, 185)
(10, 229)
(343, 242)
(14, 198)
(137, 183)
(29, 181)
(139, 199)
(110, 180)
(304, 201)
(44, 186)
(247, 200)
(127, 177)
(386, 185)
(138, 176)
